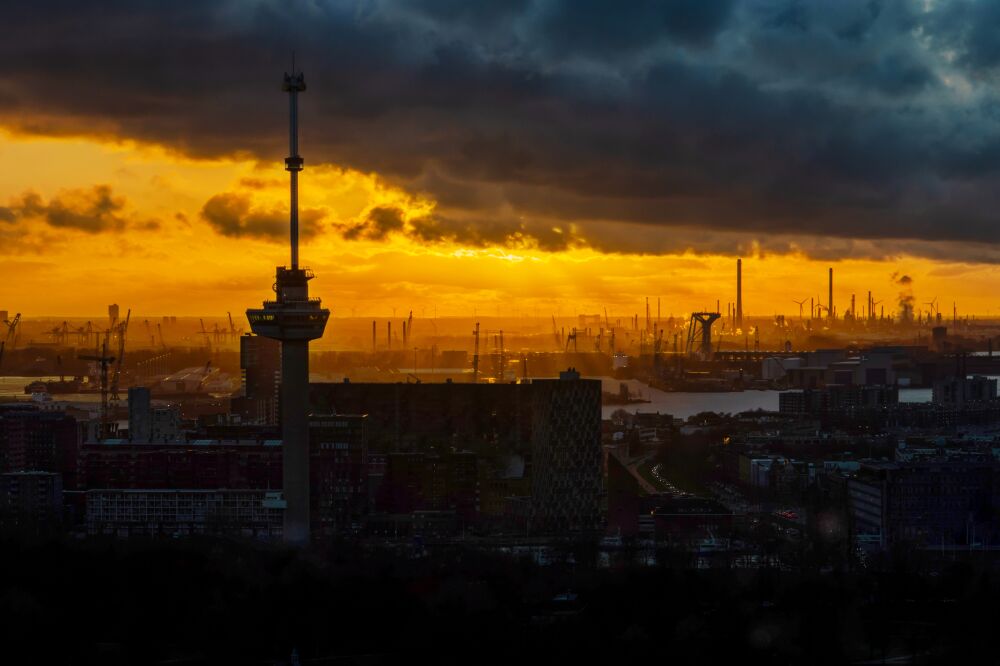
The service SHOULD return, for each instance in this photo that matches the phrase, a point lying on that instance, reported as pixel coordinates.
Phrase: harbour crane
(159, 329)
(234, 332)
(12, 327)
(204, 332)
(571, 338)
(116, 377)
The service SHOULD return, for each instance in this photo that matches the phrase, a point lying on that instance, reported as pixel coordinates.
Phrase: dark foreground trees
(217, 602)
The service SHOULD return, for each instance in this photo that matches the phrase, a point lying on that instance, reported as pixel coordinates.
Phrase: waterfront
(681, 404)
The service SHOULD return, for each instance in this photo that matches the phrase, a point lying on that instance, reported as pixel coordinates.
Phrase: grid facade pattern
(566, 455)
(181, 512)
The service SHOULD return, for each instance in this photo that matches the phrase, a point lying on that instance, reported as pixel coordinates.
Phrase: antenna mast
(293, 85)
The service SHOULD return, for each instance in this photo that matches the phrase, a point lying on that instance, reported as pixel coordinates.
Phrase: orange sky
(164, 258)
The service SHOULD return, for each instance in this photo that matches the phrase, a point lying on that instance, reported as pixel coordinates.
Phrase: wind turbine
(800, 304)
(933, 307)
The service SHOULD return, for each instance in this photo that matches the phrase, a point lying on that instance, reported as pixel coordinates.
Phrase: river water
(13, 387)
(680, 404)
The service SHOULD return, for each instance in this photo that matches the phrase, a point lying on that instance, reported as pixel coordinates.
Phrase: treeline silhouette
(228, 602)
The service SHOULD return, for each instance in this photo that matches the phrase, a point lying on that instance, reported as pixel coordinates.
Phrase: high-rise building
(140, 414)
(260, 380)
(147, 423)
(293, 318)
(113, 313)
(30, 500)
(339, 470)
(34, 440)
(566, 454)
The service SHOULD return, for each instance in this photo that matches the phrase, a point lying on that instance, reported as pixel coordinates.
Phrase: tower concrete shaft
(294, 319)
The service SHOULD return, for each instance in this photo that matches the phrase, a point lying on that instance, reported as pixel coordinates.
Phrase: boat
(55, 387)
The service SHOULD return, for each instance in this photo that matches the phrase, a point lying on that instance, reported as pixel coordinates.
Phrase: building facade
(566, 484)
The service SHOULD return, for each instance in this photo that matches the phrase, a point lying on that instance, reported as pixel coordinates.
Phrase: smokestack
(829, 301)
(739, 293)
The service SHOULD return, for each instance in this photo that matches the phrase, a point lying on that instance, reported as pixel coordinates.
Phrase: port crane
(204, 332)
(11, 339)
(116, 377)
(159, 329)
(234, 332)
(571, 338)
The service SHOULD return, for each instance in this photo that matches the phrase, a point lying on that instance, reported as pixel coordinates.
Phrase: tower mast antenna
(293, 85)
(293, 318)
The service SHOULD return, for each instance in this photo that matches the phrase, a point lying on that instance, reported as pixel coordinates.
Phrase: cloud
(377, 224)
(782, 123)
(234, 214)
(90, 210)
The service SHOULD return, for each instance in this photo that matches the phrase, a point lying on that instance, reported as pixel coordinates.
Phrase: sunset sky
(526, 157)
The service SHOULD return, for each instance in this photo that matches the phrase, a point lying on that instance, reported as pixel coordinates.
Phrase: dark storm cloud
(546, 120)
(377, 225)
(92, 210)
(234, 214)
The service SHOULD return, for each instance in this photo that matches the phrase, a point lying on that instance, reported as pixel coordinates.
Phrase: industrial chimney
(739, 293)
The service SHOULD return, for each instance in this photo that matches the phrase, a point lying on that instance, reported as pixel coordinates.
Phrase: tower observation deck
(295, 319)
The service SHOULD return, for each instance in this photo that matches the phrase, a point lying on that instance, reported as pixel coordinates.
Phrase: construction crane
(409, 326)
(116, 377)
(103, 360)
(475, 356)
(555, 332)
